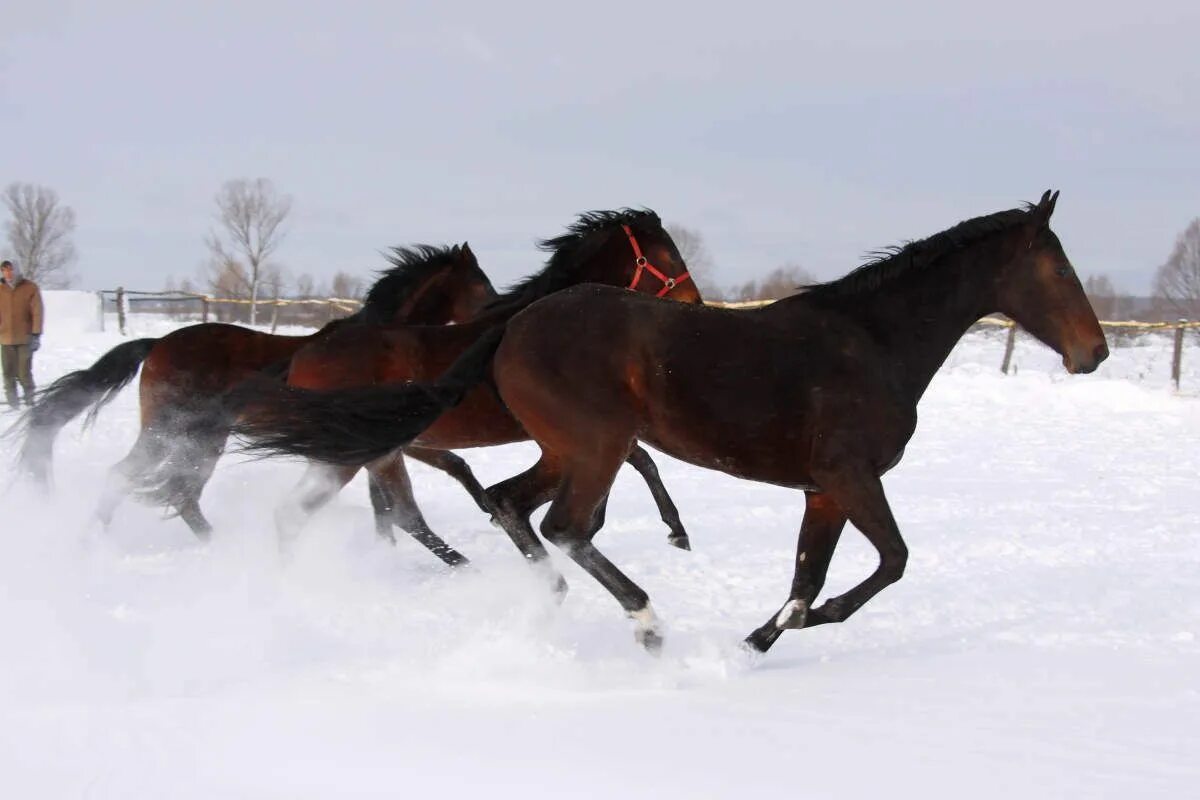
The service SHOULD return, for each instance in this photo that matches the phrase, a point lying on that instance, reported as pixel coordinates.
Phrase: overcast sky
(782, 131)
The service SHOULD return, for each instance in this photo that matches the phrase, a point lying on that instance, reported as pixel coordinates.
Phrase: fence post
(100, 295)
(274, 315)
(1177, 358)
(204, 308)
(1008, 348)
(121, 309)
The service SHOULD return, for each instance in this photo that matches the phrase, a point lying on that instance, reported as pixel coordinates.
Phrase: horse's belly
(769, 460)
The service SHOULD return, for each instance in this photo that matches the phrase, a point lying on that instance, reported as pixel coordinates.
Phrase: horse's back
(720, 388)
(206, 358)
(361, 355)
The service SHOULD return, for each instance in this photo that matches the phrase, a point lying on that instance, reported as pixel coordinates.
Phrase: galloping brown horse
(621, 248)
(188, 368)
(817, 392)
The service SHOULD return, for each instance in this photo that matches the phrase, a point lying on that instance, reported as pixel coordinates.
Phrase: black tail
(69, 396)
(351, 427)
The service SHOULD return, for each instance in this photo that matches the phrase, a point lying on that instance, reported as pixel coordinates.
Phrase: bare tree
(1103, 296)
(780, 282)
(183, 286)
(177, 309)
(1177, 282)
(229, 279)
(226, 278)
(699, 261)
(250, 215)
(306, 287)
(1107, 301)
(39, 233)
(347, 286)
(691, 246)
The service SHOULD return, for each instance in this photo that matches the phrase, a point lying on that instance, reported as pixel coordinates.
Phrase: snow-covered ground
(1043, 642)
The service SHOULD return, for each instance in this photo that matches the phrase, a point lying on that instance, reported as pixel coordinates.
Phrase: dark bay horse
(816, 392)
(187, 370)
(621, 248)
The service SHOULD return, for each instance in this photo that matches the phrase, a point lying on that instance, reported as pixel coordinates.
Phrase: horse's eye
(1063, 271)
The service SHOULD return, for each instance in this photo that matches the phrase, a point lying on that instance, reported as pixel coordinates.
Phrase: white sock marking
(645, 618)
(790, 609)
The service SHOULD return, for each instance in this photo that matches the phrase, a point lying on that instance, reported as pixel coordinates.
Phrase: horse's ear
(1044, 208)
(466, 252)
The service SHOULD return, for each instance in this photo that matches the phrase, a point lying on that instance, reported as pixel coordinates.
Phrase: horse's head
(1041, 292)
(639, 254)
(465, 284)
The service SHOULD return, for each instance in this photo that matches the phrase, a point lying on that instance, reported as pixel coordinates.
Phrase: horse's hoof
(754, 646)
(680, 540)
(651, 640)
(761, 639)
(560, 589)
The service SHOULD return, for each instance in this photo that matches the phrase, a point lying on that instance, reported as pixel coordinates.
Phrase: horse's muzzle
(1085, 363)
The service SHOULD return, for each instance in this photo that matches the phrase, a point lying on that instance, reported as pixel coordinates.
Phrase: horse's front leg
(391, 480)
(454, 466)
(640, 460)
(856, 488)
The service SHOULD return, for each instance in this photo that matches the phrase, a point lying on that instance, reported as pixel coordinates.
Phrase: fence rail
(124, 297)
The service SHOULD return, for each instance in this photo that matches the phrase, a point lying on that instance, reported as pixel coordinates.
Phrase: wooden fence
(124, 301)
(124, 298)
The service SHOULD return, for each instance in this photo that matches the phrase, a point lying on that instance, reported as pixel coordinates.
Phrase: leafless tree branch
(39, 232)
(1177, 282)
(250, 216)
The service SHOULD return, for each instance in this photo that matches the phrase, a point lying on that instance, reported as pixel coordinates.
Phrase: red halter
(644, 265)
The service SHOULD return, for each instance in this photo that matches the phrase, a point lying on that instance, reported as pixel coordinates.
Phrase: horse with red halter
(817, 392)
(624, 248)
(189, 368)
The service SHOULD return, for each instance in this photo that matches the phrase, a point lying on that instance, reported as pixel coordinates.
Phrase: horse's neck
(425, 306)
(918, 320)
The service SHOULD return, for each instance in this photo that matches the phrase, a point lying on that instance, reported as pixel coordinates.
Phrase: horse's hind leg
(456, 468)
(640, 460)
(570, 523)
(147, 452)
(514, 500)
(819, 533)
(382, 506)
(392, 477)
(190, 513)
(320, 484)
(205, 453)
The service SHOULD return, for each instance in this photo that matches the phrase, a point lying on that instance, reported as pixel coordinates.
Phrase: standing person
(20, 331)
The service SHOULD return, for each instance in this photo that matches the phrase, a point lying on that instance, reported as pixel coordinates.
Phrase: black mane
(411, 267)
(570, 250)
(893, 263)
